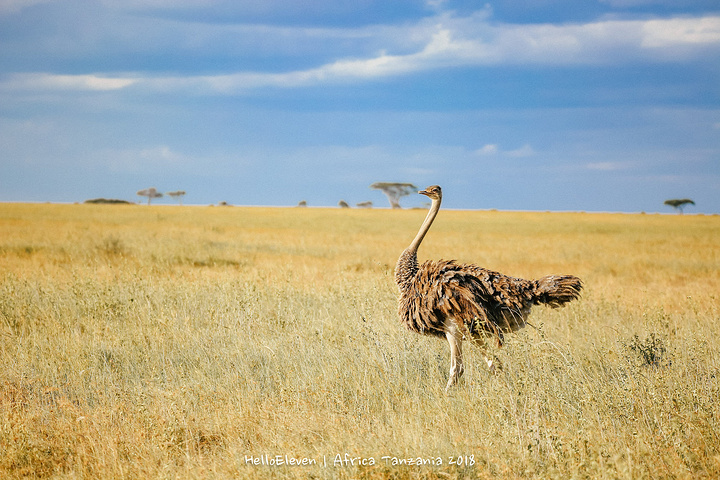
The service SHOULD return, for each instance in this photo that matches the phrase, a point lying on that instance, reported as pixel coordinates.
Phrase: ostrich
(459, 301)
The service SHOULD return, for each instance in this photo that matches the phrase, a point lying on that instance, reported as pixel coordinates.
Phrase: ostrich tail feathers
(557, 290)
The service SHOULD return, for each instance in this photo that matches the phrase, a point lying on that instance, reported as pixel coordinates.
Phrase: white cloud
(444, 41)
(605, 166)
(155, 4)
(14, 6)
(637, 3)
(435, 4)
(47, 81)
(161, 153)
(489, 149)
(522, 152)
(680, 32)
(472, 41)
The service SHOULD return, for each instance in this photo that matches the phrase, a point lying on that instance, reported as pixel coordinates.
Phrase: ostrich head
(434, 192)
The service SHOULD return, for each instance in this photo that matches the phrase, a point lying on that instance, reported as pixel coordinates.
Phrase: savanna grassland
(195, 342)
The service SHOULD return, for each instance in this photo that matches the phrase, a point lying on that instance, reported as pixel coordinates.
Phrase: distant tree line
(394, 191)
(679, 203)
(110, 201)
(152, 192)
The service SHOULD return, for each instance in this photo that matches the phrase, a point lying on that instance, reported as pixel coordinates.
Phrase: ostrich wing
(481, 301)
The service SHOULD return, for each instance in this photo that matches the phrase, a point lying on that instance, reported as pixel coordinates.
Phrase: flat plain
(237, 342)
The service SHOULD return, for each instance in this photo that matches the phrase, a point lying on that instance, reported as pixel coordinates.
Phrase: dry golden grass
(190, 342)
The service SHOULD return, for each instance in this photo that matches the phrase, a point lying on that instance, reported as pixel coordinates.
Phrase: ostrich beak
(424, 192)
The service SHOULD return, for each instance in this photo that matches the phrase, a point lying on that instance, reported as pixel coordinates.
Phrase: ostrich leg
(454, 338)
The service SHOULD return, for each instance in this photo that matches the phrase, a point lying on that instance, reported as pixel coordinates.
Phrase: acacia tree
(394, 191)
(177, 195)
(679, 203)
(150, 193)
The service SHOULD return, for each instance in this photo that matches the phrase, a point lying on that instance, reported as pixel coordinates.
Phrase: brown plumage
(463, 301)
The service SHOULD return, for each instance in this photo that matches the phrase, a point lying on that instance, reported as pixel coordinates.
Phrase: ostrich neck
(407, 264)
(429, 219)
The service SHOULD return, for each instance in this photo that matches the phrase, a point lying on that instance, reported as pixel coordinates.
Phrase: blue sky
(605, 105)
